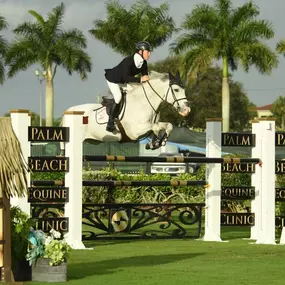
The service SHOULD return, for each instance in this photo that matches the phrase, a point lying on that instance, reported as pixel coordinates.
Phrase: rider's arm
(144, 69)
(133, 79)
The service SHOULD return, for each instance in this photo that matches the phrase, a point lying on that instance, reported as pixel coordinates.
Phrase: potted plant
(48, 254)
(20, 226)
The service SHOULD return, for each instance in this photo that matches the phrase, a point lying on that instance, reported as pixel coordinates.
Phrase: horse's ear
(178, 76)
(171, 76)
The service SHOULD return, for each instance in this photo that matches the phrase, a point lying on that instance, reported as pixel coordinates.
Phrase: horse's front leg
(161, 131)
(165, 128)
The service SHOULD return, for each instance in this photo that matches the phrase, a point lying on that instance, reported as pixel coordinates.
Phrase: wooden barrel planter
(43, 272)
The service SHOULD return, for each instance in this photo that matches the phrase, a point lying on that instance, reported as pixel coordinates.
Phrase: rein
(161, 98)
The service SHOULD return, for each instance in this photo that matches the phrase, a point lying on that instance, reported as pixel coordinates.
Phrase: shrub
(144, 194)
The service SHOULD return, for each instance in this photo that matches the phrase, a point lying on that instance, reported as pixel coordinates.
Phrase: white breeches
(115, 90)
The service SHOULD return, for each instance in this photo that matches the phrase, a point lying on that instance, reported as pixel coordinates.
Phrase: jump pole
(266, 201)
(213, 179)
(256, 182)
(73, 178)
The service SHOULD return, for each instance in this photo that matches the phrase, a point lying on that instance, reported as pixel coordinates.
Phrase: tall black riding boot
(111, 123)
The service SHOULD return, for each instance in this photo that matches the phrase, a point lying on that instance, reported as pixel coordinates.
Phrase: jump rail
(37, 183)
(169, 159)
(143, 183)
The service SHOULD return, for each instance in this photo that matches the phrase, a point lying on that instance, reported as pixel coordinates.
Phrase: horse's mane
(153, 75)
(157, 75)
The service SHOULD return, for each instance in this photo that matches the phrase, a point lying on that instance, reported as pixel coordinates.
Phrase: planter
(22, 271)
(43, 272)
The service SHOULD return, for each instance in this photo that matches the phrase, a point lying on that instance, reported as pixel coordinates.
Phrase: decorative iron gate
(130, 221)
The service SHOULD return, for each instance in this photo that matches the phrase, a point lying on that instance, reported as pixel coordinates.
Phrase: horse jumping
(138, 116)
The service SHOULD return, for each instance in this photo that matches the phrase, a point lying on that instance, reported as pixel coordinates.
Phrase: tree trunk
(226, 97)
(49, 98)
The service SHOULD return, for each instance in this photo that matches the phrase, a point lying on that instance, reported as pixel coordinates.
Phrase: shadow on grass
(83, 270)
(104, 242)
(96, 243)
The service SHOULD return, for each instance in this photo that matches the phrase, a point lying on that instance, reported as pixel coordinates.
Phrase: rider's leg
(116, 91)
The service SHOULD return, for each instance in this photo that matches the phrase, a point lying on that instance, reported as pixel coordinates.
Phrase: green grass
(167, 262)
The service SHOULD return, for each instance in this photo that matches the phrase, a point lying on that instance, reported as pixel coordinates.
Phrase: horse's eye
(176, 89)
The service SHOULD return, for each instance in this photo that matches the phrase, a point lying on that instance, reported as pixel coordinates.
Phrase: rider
(124, 73)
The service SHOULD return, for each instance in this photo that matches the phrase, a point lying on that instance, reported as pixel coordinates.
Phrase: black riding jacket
(125, 71)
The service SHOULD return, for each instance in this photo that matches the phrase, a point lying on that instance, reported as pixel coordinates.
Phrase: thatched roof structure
(13, 168)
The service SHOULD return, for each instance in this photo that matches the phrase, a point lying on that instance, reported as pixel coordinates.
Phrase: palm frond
(105, 33)
(3, 50)
(189, 40)
(249, 30)
(3, 23)
(73, 59)
(155, 24)
(84, 64)
(224, 7)
(280, 47)
(118, 30)
(248, 11)
(233, 62)
(3, 46)
(73, 37)
(197, 60)
(2, 71)
(20, 55)
(29, 30)
(54, 19)
(203, 17)
(39, 17)
(259, 55)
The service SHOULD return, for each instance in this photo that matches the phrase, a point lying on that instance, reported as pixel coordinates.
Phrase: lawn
(167, 262)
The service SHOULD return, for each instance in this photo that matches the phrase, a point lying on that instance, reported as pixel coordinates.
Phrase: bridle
(164, 99)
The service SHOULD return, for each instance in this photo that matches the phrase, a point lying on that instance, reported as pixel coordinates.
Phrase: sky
(23, 91)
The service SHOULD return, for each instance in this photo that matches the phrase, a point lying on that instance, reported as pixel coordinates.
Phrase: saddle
(108, 101)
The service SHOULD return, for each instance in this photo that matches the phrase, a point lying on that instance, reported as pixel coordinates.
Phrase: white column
(267, 193)
(21, 120)
(73, 178)
(256, 182)
(213, 178)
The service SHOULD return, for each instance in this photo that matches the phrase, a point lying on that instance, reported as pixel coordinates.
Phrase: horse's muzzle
(185, 112)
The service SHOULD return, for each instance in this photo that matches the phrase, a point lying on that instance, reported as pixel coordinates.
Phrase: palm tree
(45, 42)
(123, 28)
(3, 49)
(278, 110)
(233, 35)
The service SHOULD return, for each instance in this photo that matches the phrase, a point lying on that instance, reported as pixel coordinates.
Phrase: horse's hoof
(156, 144)
(147, 146)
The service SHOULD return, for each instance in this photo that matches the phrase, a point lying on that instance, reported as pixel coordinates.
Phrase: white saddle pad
(101, 116)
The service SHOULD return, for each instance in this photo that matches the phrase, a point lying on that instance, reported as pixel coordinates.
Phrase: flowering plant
(52, 246)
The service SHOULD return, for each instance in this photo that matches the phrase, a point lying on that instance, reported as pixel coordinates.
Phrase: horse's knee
(156, 129)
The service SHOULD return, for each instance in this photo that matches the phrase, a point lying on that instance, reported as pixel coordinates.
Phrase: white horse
(139, 112)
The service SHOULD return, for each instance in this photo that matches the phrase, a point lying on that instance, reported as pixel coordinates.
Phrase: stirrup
(110, 129)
